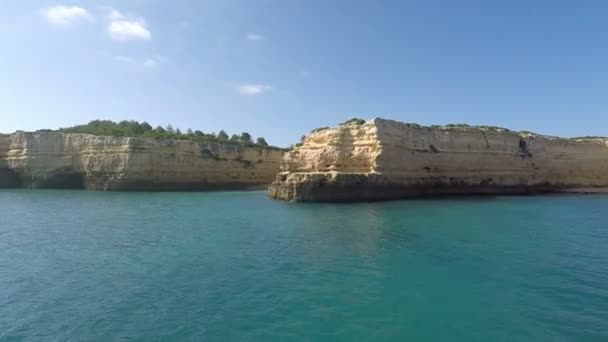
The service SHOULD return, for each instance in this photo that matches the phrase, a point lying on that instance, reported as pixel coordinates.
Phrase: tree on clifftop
(246, 139)
(146, 127)
(222, 136)
(261, 141)
(132, 128)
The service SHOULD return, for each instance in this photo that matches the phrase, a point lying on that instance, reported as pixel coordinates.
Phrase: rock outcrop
(83, 161)
(384, 159)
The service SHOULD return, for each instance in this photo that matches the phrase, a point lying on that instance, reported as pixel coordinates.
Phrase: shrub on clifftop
(355, 121)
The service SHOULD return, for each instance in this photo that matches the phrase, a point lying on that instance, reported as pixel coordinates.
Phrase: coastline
(84, 161)
(381, 159)
(358, 160)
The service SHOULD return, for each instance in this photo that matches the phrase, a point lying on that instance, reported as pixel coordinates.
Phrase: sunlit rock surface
(384, 159)
(83, 161)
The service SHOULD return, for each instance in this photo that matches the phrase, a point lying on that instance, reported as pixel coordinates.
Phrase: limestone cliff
(70, 160)
(383, 159)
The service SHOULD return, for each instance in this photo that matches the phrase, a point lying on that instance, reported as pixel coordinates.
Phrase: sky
(280, 68)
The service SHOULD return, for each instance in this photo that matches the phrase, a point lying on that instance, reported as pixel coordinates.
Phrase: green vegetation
(590, 137)
(460, 125)
(355, 121)
(482, 127)
(261, 142)
(317, 130)
(144, 129)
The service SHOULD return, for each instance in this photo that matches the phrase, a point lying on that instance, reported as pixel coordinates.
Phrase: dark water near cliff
(95, 266)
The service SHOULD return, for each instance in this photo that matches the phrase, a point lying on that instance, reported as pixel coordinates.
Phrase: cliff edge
(84, 161)
(383, 159)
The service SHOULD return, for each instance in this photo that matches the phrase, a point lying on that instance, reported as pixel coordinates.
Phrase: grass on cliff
(145, 130)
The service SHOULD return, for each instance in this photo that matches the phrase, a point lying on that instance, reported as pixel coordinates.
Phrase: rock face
(383, 159)
(83, 161)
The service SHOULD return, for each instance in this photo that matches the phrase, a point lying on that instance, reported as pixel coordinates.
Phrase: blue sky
(283, 67)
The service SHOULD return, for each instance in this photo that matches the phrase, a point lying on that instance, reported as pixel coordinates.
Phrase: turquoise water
(103, 266)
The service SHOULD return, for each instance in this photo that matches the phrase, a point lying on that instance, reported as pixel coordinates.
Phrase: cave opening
(61, 180)
(9, 179)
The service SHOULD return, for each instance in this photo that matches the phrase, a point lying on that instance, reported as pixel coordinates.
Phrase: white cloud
(129, 30)
(253, 89)
(254, 37)
(150, 63)
(115, 14)
(125, 28)
(66, 15)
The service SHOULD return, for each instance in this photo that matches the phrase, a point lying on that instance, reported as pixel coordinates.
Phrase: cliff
(383, 159)
(83, 161)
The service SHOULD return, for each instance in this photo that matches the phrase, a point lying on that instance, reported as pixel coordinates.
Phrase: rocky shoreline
(82, 161)
(356, 161)
(384, 160)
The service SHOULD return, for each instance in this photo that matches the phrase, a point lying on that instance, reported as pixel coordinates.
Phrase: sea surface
(237, 266)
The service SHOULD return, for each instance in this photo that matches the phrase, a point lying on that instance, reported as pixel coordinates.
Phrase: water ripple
(236, 266)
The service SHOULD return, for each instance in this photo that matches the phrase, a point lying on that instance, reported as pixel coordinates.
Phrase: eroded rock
(70, 160)
(384, 159)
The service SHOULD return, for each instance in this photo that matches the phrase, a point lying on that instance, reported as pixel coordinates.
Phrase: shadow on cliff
(59, 179)
(10, 179)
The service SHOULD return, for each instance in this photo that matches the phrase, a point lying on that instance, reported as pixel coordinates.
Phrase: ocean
(237, 266)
